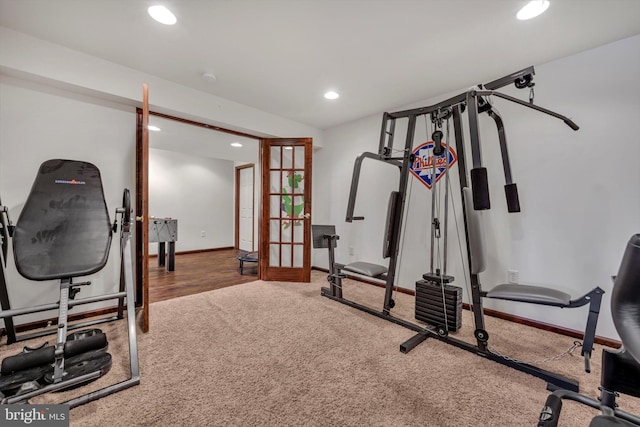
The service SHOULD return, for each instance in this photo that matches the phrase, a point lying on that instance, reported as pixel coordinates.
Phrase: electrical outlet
(203, 234)
(513, 276)
(352, 251)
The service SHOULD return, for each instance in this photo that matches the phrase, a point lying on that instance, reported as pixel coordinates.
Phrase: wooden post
(145, 208)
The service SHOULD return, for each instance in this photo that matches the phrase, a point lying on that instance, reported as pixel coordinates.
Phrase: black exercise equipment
(64, 232)
(620, 368)
(246, 256)
(476, 101)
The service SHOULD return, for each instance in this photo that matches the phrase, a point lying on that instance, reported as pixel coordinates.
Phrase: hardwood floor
(199, 272)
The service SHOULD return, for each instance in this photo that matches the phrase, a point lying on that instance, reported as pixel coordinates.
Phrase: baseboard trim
(500, 315)
(197, 251)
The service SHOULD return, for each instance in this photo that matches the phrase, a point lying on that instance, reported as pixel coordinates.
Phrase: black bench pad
(63, 230)
(530, 294)
(366, 269)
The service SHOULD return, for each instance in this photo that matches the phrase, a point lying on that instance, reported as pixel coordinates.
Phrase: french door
(285, 247)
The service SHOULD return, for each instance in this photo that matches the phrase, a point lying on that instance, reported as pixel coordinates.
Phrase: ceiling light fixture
(332, 95)
(153, 128)
(288, 148)
(162, 14)
(236, 144)
(209, 77)
(532, 9)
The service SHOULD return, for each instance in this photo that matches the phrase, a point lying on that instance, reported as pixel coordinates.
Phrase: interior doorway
(192, 188)
(282, 191)
(245, 216)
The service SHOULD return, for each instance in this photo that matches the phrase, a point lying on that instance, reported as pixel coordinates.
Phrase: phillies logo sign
(422, 166)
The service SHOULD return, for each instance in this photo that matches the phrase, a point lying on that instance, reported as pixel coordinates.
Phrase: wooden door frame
(142, 199)
(264, 238)
(253, 206)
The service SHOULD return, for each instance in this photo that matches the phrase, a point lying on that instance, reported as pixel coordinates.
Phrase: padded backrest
(64, 229)
(477, 241)
(625, 299)
(318, 233)
(389, 232)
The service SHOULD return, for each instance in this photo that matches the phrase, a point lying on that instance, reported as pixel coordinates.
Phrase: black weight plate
(78, 335)
(13, 381)
(82, 364)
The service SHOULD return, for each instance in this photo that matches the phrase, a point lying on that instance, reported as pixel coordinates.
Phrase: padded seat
(609, 421)
(530, 294)
(366, 269)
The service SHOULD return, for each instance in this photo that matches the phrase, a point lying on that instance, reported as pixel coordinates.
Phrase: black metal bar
(355, 179)
(394, 243)
(385, 132)
(595, 298)
(4, 235)
(413, 342)
(474, 130)
(502, 137)
(334, 271)
(6, 305)
(461, 98)
(455, 100)
(462, 161)
(511, 78)
(171, 256)
(161, 254)
(476, 290)
(552, 379)
(4, 293)
(565, 119)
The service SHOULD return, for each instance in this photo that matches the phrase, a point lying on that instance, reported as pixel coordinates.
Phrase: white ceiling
(281, 55)
(201, 142)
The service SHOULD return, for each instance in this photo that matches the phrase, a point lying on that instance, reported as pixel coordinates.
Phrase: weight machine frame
(475, 103)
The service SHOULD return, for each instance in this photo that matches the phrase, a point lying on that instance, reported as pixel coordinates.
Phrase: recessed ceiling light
(236, 144)
(532, 9)
(332, 95)
(209, 77)
(153, 128)
(162, 15)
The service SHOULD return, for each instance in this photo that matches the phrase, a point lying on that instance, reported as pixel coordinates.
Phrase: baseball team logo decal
(422, 166)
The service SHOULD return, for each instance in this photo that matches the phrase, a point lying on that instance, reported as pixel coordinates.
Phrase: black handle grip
(571, 124)
(358, 218)
(551, 412)
(438, 149)
(480, 187)
(513, 202)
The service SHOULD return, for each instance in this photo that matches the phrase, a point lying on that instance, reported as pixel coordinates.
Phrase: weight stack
(429, 307)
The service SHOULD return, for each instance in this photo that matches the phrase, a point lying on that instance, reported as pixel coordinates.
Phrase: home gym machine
(64, 232)
(476, 101)
(620, 368)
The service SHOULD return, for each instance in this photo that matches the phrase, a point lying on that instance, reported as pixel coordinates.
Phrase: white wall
(28, 57)
(38, 123)
(198, 192)
(578, 190)
(56, 102)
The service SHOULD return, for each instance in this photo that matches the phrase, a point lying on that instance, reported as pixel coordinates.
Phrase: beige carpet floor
(279, 354)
